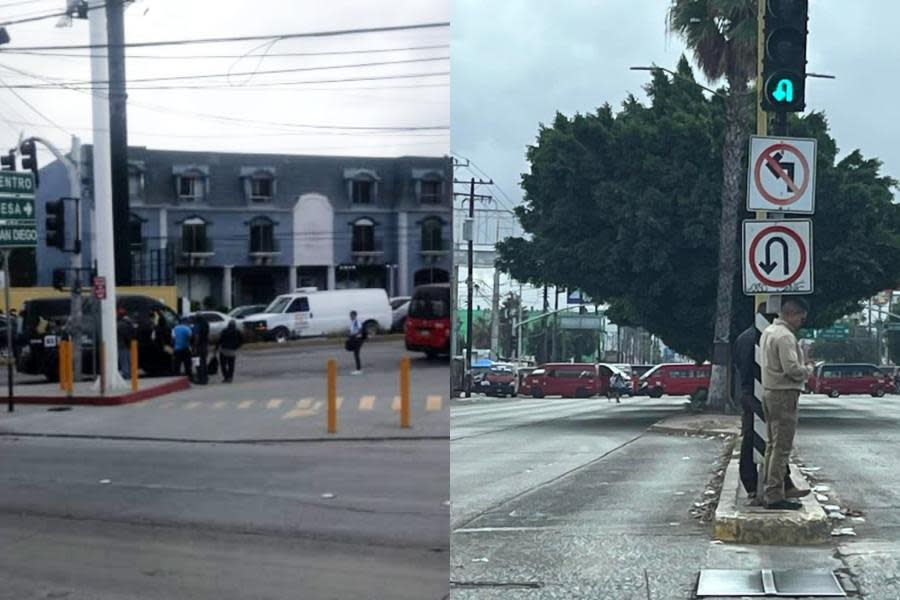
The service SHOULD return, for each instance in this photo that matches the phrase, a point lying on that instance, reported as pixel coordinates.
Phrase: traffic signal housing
(784, 55)
(29, 158)
(8, 162)
(56, 224)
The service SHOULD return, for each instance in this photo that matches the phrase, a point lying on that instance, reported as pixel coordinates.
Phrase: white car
(309, 312)
(217, 323)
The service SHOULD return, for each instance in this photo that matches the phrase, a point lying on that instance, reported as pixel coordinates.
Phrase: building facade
(232, 229)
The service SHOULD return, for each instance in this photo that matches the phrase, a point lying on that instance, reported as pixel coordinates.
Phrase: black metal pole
(470, 289)
(118, 139)
(780, 127)
(10, 387)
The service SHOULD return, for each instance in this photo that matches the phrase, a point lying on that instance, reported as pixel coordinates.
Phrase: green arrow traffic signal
(784, 91)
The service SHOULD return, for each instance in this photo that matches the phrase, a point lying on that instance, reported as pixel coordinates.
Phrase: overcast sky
(516, 62)
(191, 118)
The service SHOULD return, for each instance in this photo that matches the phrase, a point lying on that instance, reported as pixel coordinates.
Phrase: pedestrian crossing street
(287, 408)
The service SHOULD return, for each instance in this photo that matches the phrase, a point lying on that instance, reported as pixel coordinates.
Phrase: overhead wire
(246, 38)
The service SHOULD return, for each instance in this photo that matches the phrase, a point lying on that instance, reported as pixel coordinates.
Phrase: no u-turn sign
(778, 257)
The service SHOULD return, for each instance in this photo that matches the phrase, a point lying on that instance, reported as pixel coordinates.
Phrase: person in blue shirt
(181, 336)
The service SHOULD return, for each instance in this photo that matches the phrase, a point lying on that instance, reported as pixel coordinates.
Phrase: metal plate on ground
(766, 582)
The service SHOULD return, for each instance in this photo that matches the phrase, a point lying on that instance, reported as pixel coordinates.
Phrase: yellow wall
(18, 296)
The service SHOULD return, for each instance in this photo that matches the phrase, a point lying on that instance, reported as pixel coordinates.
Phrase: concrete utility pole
(118, 139)
(495, 315)
(104, 230)
(520, 332)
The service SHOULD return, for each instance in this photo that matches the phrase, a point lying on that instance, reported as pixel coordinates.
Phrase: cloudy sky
(516, 62)
(400, 79)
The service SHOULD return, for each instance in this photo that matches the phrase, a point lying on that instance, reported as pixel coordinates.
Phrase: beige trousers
(780, 410)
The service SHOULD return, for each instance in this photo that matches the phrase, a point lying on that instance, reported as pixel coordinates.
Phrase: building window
(364, 236)
(363, 191)
(261, 189)
(193, 236)
(190, 187)
(262, 235)
(432, 236)
(135, 184)
(431, 191)
(136, 232)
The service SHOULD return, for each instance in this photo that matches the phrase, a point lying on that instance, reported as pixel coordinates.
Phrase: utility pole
(104, 229)
(495, 315)
(470, 281)
(520, 332)
(118, 138)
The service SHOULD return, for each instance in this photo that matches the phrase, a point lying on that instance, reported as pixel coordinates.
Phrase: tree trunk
(732, 170)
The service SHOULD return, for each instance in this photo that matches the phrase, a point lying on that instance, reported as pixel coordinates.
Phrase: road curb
(176, 385)
(736, 521)
(316, 440)
(317, 342)
(699, 425)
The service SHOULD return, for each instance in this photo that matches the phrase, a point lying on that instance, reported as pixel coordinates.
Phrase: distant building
(242, 228)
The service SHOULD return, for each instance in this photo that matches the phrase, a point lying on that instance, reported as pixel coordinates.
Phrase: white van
(309, 312)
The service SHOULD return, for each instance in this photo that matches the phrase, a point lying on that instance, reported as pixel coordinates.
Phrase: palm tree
(722, 36)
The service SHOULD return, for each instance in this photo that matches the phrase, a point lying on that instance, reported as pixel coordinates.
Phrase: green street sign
(16, 209)
(17, 184)
(18, 235)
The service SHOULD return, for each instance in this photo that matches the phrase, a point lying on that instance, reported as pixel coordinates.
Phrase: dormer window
(431, 191)
(190, 182)
(429, 185)
(362, 186)
(259, 183)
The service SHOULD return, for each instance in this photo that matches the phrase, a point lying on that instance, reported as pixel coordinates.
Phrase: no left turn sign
(782, 175)
(778, 257)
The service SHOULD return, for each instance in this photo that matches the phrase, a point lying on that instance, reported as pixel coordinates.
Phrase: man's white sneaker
(357, 373)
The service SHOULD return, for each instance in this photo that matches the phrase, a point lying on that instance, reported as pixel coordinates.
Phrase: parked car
(242, 312)
(310, 312)
(217, 322)
(675, 379)
(428, 326)
(499, 380)
(44, 321)
(569, 380)
(399, 311)
(834, 379)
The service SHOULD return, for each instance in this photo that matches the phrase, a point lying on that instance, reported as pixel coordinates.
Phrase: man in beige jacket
(784, 374)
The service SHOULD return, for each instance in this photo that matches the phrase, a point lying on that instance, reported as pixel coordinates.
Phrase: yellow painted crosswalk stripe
(395, 405)
(192, 405)
(305, 403)
(219, 404)
(275, 403)
(339, 401)
(246, 403)
(309, 410)
(433, 403)
(169, 404)
(367, 403)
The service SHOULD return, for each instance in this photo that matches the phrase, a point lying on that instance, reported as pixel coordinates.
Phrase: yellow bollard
(332, 396)
(61, 354)
(404, 392)
(134, 365)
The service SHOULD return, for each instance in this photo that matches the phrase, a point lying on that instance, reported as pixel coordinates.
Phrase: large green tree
(626, 206)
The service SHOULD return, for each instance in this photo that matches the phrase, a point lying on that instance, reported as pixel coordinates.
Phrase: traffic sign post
(778, 257)
(782, 175)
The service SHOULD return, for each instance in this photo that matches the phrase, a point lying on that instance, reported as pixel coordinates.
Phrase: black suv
(44, 321)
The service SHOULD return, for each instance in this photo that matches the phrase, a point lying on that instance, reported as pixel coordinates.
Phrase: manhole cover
(59, 409)
(778, 584)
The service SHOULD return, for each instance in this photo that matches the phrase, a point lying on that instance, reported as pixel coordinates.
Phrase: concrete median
(737, 520)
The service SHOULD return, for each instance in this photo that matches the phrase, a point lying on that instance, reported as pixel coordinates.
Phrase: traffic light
(8, 162)
(29, 158)
(56, 224)
(784, 57)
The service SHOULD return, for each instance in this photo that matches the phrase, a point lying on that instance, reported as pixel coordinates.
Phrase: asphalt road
(575, 499)
(91, 517)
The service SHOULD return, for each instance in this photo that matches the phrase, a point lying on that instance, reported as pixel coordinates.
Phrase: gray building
(241, 228)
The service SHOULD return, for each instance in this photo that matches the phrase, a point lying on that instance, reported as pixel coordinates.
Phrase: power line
(44, 17)
(252, 38)
(20, 3)
(35, 110)
(241, 74)
(232, 56)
